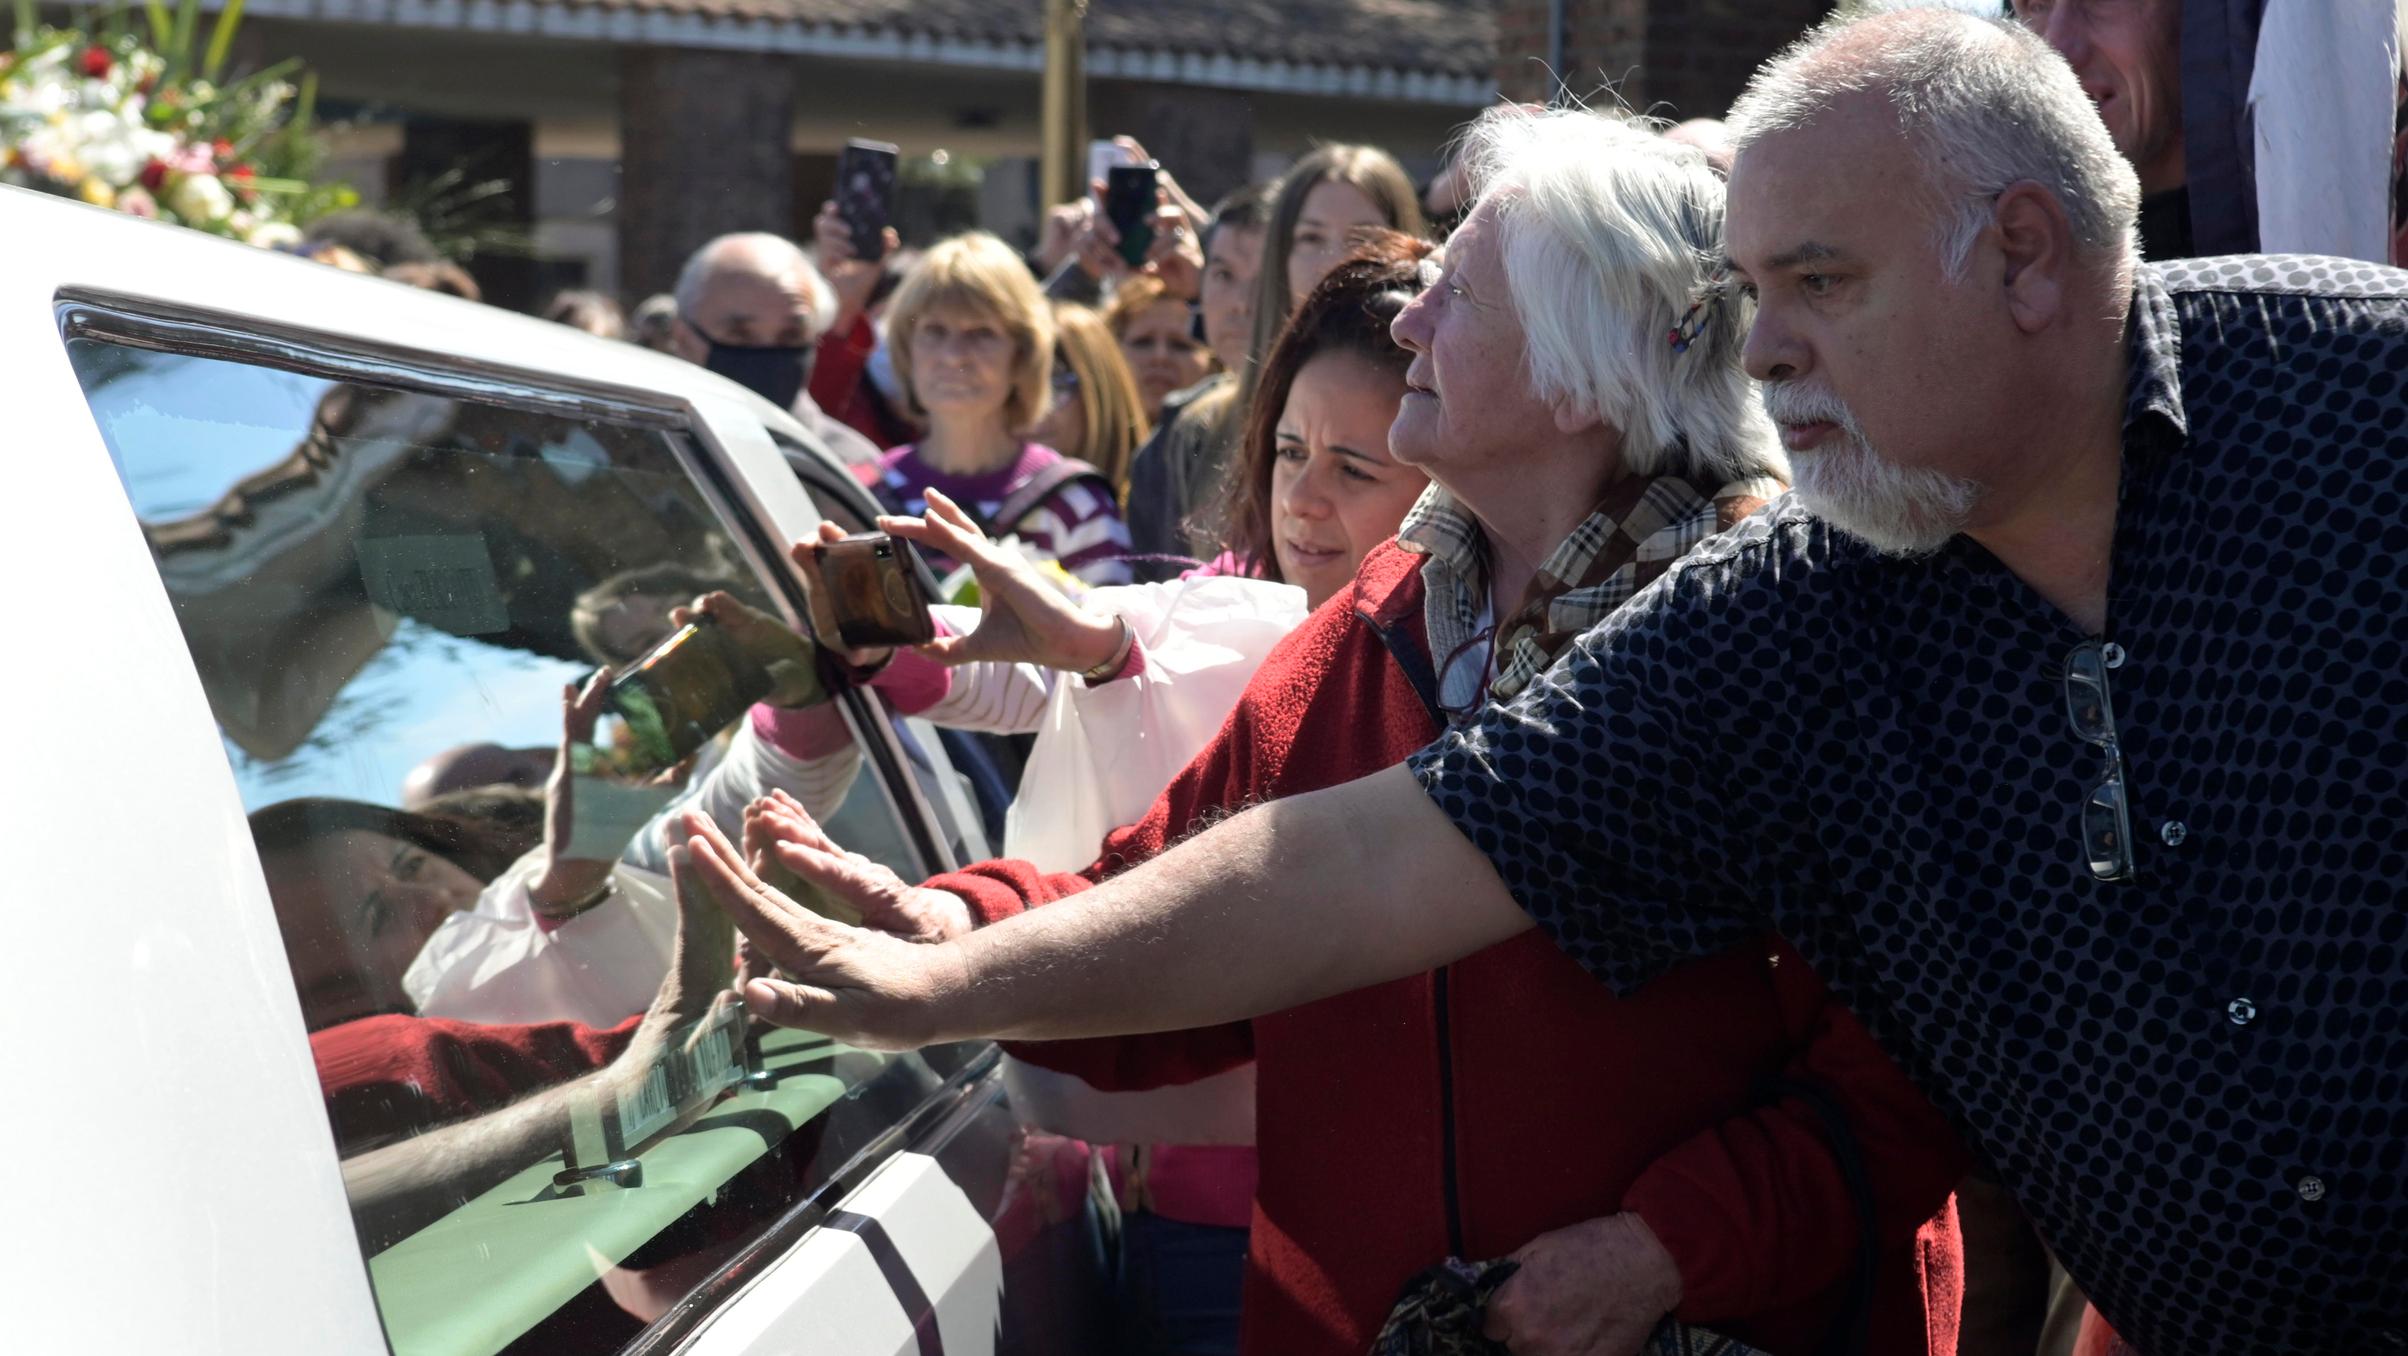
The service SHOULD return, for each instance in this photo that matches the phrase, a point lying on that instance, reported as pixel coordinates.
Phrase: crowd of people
(1642, 852)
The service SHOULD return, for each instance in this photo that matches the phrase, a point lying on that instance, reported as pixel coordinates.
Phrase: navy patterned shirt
(2195, 1079)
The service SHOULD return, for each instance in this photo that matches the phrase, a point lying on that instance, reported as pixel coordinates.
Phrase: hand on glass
(565, 881)
(787, 658)
(863, 987)
(850, 277)
(1596, 1288)
(1023, 618)
(788, 850)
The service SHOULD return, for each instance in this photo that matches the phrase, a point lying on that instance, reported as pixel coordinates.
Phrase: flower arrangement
(153, 129)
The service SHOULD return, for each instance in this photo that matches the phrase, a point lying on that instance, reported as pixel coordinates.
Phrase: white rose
(116, 148)
(199, 198)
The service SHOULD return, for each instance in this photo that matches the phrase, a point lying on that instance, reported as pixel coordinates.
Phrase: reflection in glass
(385, 593)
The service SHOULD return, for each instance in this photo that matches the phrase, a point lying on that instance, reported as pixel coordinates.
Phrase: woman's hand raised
(1025, 618)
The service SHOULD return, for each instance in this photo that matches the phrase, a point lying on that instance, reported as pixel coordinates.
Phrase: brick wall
(1701, 52)
(1675, 58)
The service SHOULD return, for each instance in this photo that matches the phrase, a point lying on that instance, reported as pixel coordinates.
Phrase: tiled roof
(1443, 37)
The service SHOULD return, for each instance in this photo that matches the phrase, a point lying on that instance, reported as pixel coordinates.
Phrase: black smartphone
(1130, 197)
(681, 694)
(865, 194)
(871, 587)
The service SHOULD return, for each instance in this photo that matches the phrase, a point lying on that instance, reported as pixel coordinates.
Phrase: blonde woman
(1098, 414)
(973, 345)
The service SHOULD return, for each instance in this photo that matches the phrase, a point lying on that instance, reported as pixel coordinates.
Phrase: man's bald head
(1983, 103)
(751, 289)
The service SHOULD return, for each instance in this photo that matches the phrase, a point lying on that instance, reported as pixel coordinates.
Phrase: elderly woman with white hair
(1727, 1147)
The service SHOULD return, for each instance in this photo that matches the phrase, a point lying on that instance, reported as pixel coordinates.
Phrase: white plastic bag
(496, 963)
(1104, 753)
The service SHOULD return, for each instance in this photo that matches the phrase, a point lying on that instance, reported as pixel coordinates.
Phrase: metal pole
(1557, 80)
(1062, 119)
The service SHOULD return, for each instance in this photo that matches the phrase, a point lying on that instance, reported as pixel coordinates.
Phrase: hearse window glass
(393, 598)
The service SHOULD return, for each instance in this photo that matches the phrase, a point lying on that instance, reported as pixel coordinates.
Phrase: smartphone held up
(869, 593)
(1131, 193)
(865, 194)
(679, 696)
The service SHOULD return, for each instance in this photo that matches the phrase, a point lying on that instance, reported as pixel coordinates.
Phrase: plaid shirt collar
(1636, 531)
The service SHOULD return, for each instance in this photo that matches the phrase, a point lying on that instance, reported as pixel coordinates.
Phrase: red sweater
(1469, 1110)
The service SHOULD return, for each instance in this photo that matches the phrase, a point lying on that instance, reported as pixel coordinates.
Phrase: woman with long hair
(1325, 198)
(1098, 415)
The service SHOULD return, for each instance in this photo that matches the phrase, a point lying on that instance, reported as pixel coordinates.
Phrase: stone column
(704, 149)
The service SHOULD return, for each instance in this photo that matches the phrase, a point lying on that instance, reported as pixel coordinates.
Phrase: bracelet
(1120, 655)
(565, 912)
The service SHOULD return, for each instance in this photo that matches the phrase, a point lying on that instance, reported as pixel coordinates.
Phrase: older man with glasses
(2073, 677)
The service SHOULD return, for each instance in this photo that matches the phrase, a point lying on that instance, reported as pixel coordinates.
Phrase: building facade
(630, 131)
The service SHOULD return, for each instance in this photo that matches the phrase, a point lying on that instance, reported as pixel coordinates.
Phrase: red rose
(98, 63)
(221, 148)
(154, 174)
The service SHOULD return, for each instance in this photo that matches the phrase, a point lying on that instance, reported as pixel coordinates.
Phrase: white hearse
(284, 535)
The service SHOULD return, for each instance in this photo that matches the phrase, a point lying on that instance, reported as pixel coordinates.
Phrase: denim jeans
(1175, 1285)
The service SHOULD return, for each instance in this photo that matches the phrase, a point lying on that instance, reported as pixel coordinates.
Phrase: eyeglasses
(2106, 823)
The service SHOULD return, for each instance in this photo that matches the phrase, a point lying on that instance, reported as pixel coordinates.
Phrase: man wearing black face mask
(751, 308)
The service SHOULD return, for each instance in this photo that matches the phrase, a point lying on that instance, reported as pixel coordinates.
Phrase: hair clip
(1693, 321)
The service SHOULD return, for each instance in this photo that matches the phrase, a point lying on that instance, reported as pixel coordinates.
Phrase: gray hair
(1611, 238)
(772, 256)
(1985, 103)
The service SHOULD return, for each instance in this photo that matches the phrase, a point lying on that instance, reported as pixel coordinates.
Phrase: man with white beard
(2068, 687)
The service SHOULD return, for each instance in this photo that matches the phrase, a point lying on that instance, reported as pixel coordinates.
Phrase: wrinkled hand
(851, 278)
(701, 970)
(862, 987)
(1022, 617)
(791, 853)
(1597, 1288)
(786, 657)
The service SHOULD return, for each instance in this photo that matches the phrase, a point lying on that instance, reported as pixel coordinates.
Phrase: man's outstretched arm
(1285, 903)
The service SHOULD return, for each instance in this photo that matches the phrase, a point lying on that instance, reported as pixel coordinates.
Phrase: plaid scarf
(1637, 530)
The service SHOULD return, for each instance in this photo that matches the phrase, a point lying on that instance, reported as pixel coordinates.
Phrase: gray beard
(1896, 510)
